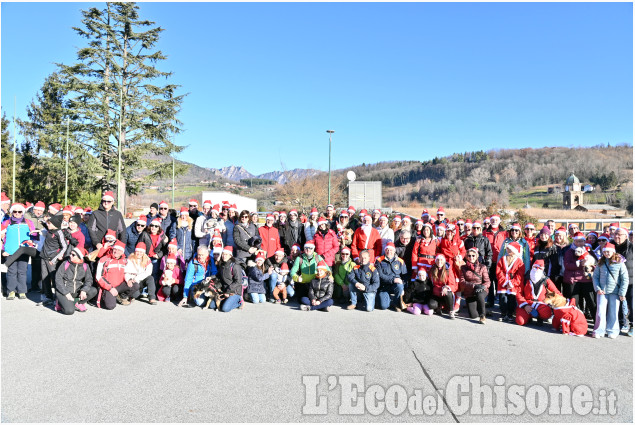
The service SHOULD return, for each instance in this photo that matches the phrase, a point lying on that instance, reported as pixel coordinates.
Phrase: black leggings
(152, 289)
(476, 304)
(170, 290)
(446, 301)
(109, 302)
(68, 306)
(583, 294)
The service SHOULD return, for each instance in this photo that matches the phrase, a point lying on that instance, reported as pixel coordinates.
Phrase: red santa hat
(143, 220)
(609, 247)
(530, 226)
(390, 245)
(441, 226)
(539, 264)
(487, 220)
(110, 234)
(261, 256)
(495, 216)
(515, 247)
(171, 259)
(88, 210)
(477, 222)
(515, 226)
(207, 203)
(228, 249)
(79, 251)
(407, 218)
(474, 249)
(614, 225)
(561, 229)
(184, 211)
(460, 221)
(314, 211)
(363, 211)
(16, 207)
(604, 237)
(419, 221)
(173, 243)
(283, 214)
(323, 220)
(322, 265)
(79, 210)
(119, 245)
(270, 217)
(156, 221)
(468, 221)
(39, 205)
(425, 213)
(293, 211)
(592, 233)
(284, 268)
(383, 217)
(217, 236)
(164, 204)
(578, 236)
(397, 218)
(343, 213)
(68, 210)
(279, 251)
(296, 247)
(351, 210)
(226, 205)
(4, 198)
(345, 250)
(451, 227)
(426, 224)
(440, 210)
(573, 224)
(193, 203)
(108, 196)
(141, 246)
(309, 244)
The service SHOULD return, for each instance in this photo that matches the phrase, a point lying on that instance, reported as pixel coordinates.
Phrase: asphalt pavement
(275, 363)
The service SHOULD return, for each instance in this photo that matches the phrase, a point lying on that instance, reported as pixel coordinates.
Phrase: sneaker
(630, 333)
(80, 307)
(305, 307)
(22, 296)
(327, 309)
(612, 336)
(47, 302)
(122, 301)
(625, 329)
(597, 335)
(452, 314)
(481, 320)
(11, 296)
(277, 301)
(286, 300)
(153, 302)
(273, 300)
(350, 307)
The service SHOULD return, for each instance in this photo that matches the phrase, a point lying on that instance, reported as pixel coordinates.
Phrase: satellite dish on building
(350, 176)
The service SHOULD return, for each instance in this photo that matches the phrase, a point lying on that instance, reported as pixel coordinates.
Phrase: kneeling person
(74, 284)
(392, 270)
(320, 290)
(363, 280)
(531, 296)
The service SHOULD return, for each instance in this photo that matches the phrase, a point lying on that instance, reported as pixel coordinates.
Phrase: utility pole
(330, 132)
(67, 157)
(15, 149)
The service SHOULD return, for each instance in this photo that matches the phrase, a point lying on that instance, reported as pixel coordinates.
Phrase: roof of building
(572, 179)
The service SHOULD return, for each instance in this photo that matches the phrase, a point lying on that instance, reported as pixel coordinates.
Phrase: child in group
(170, 281)
(320, 290)
(258, 275)
(418, 295)
(281, 286)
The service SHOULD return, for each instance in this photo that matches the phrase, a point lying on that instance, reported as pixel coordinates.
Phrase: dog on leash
(210, 288)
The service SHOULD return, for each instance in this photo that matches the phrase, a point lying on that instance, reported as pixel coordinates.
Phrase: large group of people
(218, 257)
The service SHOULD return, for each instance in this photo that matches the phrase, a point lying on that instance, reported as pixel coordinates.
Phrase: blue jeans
(606, 316)
(257, 298)
(202, 300)
(369, 297)
(271, 283)
(290, 291)
(307, 301)
(507, 304)
(230, 303)
(385, 298)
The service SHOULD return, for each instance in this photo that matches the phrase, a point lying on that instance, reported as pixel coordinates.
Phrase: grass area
(538, 196)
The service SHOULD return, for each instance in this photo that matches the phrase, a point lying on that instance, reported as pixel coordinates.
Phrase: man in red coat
(453, 249)
(496, 236)
(366, 237)
(531, 296)
(270, 236)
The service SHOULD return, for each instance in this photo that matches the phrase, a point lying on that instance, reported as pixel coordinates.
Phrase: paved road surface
(160, 363)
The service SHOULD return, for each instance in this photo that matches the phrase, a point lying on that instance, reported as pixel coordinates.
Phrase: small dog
(555, 300)
(585, 260)
(210, 288)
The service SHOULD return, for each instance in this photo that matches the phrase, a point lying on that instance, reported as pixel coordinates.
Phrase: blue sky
(395, 81)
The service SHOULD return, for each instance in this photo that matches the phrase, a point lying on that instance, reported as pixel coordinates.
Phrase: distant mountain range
(236, 173)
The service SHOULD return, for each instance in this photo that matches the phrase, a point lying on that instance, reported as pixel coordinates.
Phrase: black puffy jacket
(230, 277)
(101, 221)
(71, 278)
(321, 289)
(484, 248)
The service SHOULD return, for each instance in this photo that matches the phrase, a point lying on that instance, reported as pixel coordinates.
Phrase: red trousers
(522, 317)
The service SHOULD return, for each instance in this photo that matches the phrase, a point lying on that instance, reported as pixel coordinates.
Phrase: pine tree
(7, 157)
(116, 83)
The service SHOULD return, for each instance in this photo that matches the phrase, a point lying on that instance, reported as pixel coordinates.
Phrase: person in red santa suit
(530, 237)
(496, 236)
(453, 249)
(531, 296)
(445, 285)
(110, 276)
(366, 237)
(270, 236)
(510, 274)
(424, 251)
(569, 319)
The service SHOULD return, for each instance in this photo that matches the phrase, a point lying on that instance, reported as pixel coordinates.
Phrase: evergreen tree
(116, 85)
(7, 157)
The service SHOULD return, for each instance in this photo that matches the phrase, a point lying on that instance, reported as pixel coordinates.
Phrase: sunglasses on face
(153, 225)
(106, 202)
(163, 208)
(476, 227)
(141, 225)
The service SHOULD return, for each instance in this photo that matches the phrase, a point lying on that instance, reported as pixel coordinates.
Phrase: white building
(242, 202)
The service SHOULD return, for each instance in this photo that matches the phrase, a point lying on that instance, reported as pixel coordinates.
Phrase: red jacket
(110, 272)
(510, 278)
(360, 243)
(496, 239)
(570, 319)
(327, 246)
(451, 280)
(423, 253)
(270, 239)
(450, 249)
(527, 294)
(531, 242)
(470, 278)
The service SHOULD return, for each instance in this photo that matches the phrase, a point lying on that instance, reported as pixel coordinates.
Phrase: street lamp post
(68, 120)
(330, 132)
